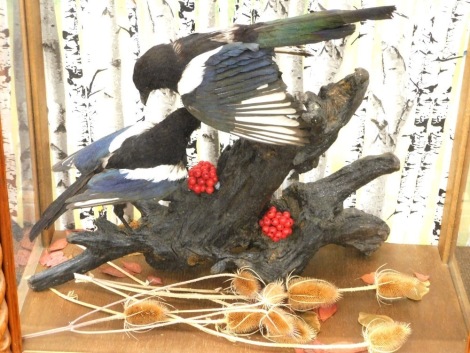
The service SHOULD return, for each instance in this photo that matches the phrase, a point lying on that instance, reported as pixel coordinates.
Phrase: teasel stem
(170, 294)
(82, 303)
(279, 345)
(73, 325)
(358, 289)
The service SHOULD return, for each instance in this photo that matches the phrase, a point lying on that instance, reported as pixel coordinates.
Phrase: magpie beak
(143, 161)
(228, 79)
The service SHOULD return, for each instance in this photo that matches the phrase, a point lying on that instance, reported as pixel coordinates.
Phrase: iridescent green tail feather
(316, 26)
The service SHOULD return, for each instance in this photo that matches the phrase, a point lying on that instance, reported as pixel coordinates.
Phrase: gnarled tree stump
(222, 228)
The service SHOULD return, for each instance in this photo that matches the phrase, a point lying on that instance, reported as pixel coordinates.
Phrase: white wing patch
(156, 174)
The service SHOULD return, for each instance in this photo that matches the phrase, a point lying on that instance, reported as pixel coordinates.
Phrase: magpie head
(158, 68)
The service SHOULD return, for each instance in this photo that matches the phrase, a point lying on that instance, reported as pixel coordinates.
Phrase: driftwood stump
(222, 229)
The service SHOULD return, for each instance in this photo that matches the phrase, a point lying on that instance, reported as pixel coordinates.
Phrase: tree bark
(222, 229)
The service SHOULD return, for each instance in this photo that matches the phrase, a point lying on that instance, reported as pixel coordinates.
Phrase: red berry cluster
(202, 178)
(276, 225)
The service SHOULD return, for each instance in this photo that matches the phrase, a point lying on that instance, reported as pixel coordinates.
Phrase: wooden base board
(437, 322)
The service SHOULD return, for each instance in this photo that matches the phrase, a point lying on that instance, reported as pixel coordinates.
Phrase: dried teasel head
(246, 283)
(145, 312)
(396, 285)
(273, 294)
(243, 322)
(382, 333)
(309, 293)
(283, 327)
(385, 336)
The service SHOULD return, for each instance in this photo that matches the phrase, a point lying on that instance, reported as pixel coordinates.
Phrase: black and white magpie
(142, 161)
(228, 79)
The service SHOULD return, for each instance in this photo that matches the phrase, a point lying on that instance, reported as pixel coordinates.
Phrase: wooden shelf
(436, 321)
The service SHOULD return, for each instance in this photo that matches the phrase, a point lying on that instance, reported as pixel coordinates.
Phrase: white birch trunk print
(77, 106)
(129, 51)
(292, 67)
(55, 100)
(320, 68)
(208, 137)
(445, 119)
(25, 184)
(163, 20)
(430, 79)
(5, 113)
(102, 66)
(187, 26)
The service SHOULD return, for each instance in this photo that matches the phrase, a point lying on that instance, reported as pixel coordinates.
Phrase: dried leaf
(154, 280)
(368, 278)
(21, 257)
(132, 266)
(58, 244)
(27, 244)
(365, 319)
(421, 277)
(311, 318)
(52, 259)
(109, 270)
(325, 312)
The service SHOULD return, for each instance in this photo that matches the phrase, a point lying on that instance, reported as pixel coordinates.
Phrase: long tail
(316, 26)
(58, 207)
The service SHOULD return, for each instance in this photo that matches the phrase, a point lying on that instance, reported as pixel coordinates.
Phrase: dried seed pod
(386, 336)
(145, 312)
(309, 293)
(246, 283)
(396, 285)
(278, 323)
(283, 327)
(273, 294)
(240, 322)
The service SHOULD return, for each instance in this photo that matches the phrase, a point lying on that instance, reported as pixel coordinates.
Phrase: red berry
(209, 189)
(201, 182)
(192, 180)
(271, 214)
(197, 189)
(210, 182)
(274, 221)
(289, 223)
(282, 220)
(278, 214)
(286, 214)
(266, 230)
(267, 221)
(279, 227)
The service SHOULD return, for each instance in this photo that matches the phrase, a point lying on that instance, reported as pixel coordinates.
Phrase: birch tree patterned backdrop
(415, 62)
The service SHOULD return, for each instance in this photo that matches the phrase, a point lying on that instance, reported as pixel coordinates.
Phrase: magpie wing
(114, 186)
(237, 88)
(95, 155)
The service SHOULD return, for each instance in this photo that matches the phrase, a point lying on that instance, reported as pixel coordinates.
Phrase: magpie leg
(119, 212)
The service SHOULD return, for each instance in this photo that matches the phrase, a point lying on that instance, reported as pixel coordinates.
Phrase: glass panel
(15, 130)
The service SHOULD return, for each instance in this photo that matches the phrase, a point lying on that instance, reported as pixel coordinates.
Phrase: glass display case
(66, 81)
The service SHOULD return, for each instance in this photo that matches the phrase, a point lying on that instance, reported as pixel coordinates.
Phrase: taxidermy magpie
(142, 161)
(228, 79)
